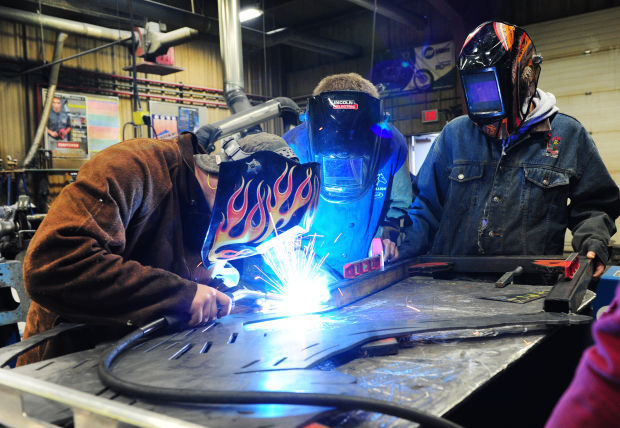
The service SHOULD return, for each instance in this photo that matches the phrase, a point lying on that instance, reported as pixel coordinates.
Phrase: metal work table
(434, 370)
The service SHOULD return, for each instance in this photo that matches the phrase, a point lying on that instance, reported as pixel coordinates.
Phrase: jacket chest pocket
(465, 182)
(546, 191)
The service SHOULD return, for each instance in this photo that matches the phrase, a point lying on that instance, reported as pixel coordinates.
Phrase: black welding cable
(249, 397)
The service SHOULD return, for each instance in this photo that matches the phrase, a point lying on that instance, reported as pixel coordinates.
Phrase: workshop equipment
(373, 263)
(567, 295)
(544, 264)
(567, 267)
(606, 290)
(251, 297)
(264, 358)
(570, 277)
(260, 355)
(16, 228)
(508, 277)
(240, 354)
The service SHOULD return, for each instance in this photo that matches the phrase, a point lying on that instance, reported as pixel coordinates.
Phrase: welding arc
(345, 402)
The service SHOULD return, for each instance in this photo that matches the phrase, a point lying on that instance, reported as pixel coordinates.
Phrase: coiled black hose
(343, 402)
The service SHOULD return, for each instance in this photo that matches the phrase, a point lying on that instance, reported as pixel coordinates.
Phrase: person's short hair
(252, 143)
(346, 82)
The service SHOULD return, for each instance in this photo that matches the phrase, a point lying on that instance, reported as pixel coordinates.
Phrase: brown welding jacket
(118, 246)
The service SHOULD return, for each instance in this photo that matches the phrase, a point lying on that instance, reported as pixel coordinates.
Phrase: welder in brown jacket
(119, 246)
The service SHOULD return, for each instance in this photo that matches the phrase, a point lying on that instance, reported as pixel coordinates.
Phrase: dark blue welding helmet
(345, 130)
(499, 71)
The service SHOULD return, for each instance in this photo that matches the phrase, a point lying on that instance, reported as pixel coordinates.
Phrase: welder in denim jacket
(511, 177)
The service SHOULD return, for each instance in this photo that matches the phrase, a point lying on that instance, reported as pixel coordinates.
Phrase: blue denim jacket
(472, 199)
(346, 229)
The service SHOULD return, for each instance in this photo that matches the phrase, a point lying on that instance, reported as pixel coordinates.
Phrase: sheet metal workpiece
(253, 352)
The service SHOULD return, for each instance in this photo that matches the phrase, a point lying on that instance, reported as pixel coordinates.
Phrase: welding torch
(239, 292)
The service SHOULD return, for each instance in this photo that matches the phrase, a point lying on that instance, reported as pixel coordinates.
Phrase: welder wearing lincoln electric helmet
(365, 186)
(511, 177)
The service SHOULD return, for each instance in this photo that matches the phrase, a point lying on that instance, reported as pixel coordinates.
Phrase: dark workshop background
(297, 42)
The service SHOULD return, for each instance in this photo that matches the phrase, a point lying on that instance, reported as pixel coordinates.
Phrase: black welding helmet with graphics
(262, 192)
(345, 130)
(499, 72)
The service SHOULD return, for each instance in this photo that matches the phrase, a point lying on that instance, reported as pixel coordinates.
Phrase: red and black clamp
(566, 267)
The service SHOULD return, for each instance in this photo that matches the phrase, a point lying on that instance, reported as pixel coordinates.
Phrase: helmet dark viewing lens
(482, 92)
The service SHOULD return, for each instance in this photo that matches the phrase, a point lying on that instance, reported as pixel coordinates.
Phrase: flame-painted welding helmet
(499, 72)
(259, 196)
(345, 133)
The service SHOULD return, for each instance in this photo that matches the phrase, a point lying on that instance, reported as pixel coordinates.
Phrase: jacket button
(461, 176)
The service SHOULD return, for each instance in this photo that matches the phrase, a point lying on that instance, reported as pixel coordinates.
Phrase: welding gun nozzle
(255, 295)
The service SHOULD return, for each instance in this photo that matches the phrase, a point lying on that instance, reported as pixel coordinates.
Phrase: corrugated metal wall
(199, 57)
(581, 67)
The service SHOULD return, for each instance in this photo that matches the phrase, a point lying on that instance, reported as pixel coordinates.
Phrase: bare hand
(204, 307)
(390, 251)
(599, 267)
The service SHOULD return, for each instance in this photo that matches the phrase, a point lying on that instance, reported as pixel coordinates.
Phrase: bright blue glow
(294, 323)
(405, 64)
(303, 117)
(299, 279)
(382, 129)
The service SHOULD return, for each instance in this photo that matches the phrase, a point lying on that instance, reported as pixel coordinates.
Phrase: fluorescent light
(249, 13)
(277, 30)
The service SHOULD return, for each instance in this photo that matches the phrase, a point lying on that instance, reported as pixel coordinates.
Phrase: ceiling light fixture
(249, 13)
(277, 30)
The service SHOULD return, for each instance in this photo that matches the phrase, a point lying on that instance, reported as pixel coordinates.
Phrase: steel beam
(395, 14)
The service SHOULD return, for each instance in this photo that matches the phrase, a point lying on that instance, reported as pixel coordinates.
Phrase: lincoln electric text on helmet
(345, 133)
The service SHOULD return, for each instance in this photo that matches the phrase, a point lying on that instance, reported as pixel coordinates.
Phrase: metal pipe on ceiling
(252, 117)
(64, 25)
(77, 55)
(173, 37)
(232, 57)
(94, 31)
(175, 16)
(160, 12)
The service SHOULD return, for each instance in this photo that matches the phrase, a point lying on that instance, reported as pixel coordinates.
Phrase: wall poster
(80, 125)
(171, 119)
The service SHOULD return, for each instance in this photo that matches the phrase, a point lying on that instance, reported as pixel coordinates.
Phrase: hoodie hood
(544, 108)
